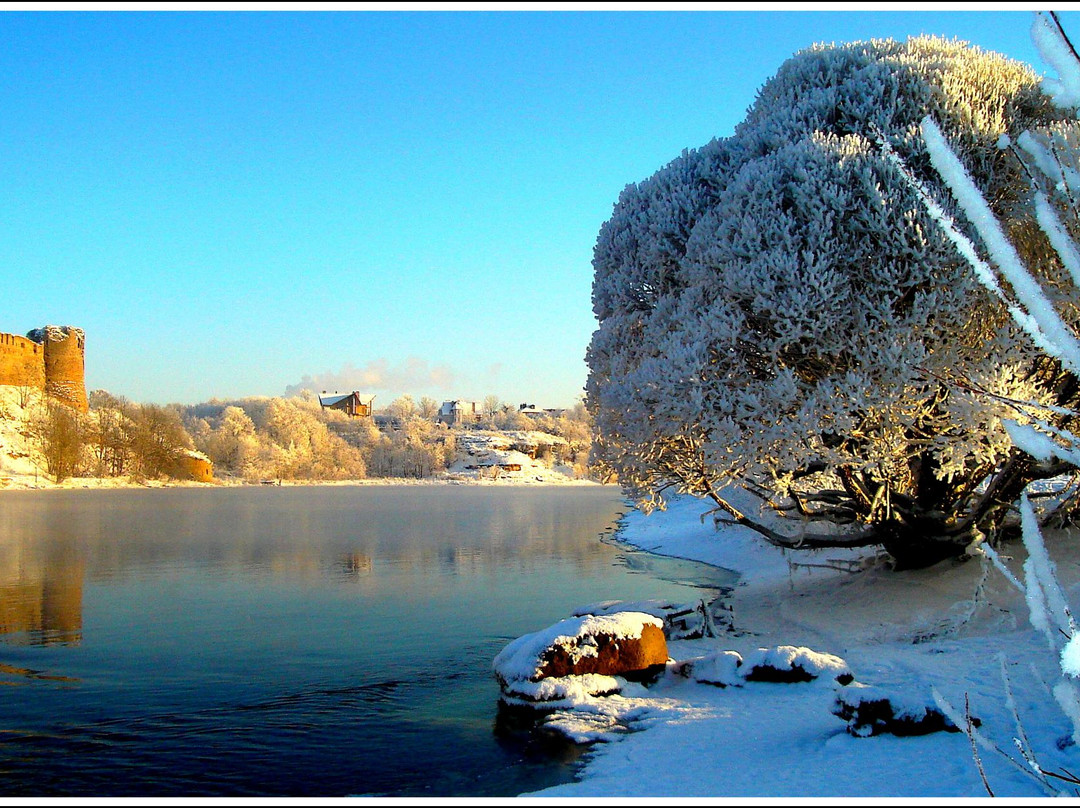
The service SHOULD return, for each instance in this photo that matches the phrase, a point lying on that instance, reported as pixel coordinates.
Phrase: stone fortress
(51, 359)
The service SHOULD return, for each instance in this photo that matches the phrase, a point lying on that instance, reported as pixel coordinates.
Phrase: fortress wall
(65, 364)
(22, 362)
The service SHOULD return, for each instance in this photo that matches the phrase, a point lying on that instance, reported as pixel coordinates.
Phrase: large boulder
(630, 645)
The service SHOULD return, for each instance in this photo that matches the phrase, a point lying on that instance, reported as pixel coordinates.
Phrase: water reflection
(288, 641)
(51, 542)
(41, 592)
(298, 533)
(355, 565)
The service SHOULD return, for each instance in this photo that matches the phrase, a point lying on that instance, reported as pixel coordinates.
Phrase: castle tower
(65, 363)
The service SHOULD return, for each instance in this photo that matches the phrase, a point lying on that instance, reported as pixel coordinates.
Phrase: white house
(459, 411)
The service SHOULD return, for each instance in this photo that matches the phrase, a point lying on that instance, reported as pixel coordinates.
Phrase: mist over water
(307, 641)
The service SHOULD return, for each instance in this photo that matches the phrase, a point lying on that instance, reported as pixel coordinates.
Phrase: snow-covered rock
(584, 728)
(720, 669)
(560, 691)
(877, 711)
(789, 663)
(624, 644)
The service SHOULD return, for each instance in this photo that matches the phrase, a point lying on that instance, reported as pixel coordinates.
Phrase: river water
(293, 641)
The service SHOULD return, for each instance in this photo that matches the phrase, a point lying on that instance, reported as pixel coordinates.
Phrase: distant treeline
(262, 438)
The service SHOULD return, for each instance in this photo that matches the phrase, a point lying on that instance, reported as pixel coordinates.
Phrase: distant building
(459, 411)
(352, 404)
(192, 465)
(532, 411)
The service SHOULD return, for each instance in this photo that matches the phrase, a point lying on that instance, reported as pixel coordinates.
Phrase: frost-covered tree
(491, 408)
(284, 438)
(1038, 302)
(778, 311)
(233, 445)
(428, 408)
(402, 408)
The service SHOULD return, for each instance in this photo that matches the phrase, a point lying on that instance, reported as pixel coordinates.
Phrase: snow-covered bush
(790, 663)
(778, 310)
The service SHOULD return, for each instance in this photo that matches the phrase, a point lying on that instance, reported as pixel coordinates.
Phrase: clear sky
(389, 201)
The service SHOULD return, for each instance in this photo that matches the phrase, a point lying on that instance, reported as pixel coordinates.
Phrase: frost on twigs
(1038, 291)
(1055, 50)
(682, 621)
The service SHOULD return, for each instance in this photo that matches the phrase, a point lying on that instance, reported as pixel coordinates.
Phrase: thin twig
(974, 748)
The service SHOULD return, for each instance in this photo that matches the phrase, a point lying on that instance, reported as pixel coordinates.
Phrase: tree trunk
(916, 549)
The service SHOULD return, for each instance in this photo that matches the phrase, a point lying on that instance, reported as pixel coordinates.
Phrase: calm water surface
(292, 641)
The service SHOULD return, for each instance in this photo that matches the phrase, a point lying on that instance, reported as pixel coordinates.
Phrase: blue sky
(391, 201)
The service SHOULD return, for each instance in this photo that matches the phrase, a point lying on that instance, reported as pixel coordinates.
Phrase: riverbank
(955, 627)
(26, 482)
(482, 456)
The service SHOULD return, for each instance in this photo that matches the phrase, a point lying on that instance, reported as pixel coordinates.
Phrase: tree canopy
(777, 310)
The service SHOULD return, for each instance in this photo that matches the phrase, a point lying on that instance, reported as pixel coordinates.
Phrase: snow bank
(561, 691)
(905, 633)
(687, 529)
(17, 466)
(505, 456)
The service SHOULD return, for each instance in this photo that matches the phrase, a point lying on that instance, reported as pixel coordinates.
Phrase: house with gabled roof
(459, 411)
(352, 404)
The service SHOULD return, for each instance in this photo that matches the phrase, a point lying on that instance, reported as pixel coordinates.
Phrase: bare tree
(158, 437)
(429, 408)
(58, 432)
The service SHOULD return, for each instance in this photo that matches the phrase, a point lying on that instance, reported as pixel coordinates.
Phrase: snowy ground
(948, 627)
(489, 456)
